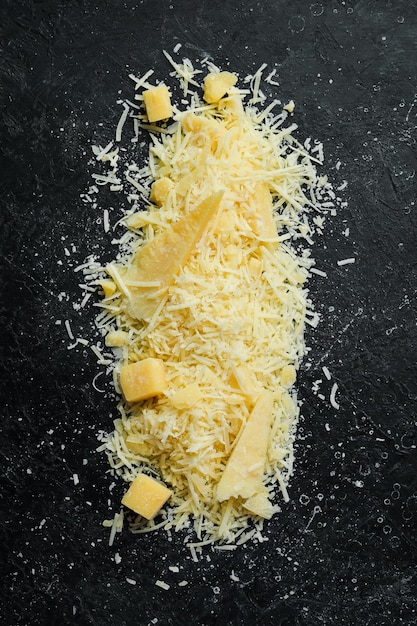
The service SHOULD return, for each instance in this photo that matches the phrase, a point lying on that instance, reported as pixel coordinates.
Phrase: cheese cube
(143, 379)
(157, 103)
(160, 190)
(217, 85)
(146, 496)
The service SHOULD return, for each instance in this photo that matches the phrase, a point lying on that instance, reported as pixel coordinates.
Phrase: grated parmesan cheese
(231, 320)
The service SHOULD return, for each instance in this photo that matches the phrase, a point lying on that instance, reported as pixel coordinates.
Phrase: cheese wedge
(242, 476)
(160, 260)
(260, 505)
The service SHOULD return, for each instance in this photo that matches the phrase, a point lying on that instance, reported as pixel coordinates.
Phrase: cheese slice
(160, 260)
(242, 476)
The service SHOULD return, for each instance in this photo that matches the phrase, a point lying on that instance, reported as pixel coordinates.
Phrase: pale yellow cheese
(108, 286)
(260, 505)
(230, 300)
(143, 379)
(217, 85)
(160, 190)
(259, 214)
(146, 496)
(242, 476)
(116, 338)
(242, 378)
(186, 397)
(157, 103)
(161, 259)
(288, 375)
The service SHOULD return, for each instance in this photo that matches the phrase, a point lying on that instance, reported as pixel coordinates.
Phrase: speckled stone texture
(343, 550)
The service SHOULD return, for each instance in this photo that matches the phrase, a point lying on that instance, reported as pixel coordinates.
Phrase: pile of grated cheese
(232, 322)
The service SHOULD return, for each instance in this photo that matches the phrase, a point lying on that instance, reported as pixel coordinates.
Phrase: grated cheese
(232, 319)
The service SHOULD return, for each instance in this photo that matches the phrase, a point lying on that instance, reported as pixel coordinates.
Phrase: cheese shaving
(230, 320)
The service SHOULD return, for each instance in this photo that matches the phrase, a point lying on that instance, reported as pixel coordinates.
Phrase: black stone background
(343, 550)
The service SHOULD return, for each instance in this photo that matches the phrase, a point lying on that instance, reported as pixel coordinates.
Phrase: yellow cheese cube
(217, 85)
(160, 190)
(146, 496)
(116, 338)
(242, 476)
(157, 103)
(108, 287)
(143, 379)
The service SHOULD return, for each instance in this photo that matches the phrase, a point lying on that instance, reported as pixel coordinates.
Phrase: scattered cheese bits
(146, 496)
(210, 300)
(157, 103)
(143, 379)
(217, 85)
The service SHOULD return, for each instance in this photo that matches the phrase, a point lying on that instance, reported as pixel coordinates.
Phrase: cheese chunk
(242, 476)
(217, 85)
(288, 375)
(108, 287)
(116, 338)
(160, 260)
(157, 103)
(186, 397)
(160, 190)
(143, 379)
(260, 505)
(146, 496)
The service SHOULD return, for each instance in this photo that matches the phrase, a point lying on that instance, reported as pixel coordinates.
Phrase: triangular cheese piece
(242, 476)
(160, 260)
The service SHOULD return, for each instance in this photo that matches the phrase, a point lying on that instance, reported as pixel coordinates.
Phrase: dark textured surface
(343, 551)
